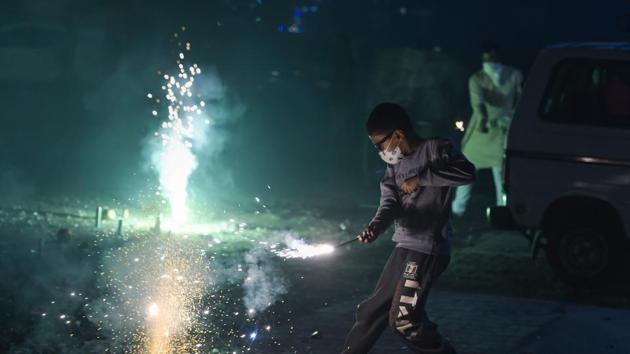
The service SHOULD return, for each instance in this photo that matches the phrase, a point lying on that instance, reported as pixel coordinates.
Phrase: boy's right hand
(367, 235)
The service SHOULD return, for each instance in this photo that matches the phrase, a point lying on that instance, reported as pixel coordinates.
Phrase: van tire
(583, 256)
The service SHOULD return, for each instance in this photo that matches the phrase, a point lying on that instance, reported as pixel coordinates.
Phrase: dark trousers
(398, 300)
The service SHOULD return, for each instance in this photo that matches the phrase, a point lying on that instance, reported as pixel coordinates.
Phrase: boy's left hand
(411, 185)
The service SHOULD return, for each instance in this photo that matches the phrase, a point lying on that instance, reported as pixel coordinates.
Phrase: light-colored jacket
(485, 150)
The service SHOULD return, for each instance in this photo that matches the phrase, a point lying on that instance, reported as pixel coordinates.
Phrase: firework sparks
(172, 313)
(170, 293)
(176, 160)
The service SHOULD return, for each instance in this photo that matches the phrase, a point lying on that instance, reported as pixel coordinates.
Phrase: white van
(567, 161)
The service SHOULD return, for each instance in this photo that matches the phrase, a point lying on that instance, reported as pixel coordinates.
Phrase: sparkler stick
(347, 242)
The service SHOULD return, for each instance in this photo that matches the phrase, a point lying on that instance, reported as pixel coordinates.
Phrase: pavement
(491, 324)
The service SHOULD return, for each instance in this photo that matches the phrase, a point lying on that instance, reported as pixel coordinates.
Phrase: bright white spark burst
(176, 160)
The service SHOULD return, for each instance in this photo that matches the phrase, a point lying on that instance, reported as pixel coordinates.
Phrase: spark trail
(178, 136)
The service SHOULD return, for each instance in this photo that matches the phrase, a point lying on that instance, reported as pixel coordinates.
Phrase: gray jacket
(422, 218)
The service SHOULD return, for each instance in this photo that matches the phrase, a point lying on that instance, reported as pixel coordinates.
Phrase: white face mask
(493, 69)
(391, 157)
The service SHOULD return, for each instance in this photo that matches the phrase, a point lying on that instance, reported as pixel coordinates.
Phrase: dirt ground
(493, 298)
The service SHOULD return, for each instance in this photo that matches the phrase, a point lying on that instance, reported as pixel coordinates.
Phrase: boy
(416, 194)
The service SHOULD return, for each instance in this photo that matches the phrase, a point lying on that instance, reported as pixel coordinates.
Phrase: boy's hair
(387, 117)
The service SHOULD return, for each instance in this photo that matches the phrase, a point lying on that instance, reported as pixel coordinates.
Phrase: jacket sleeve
(446, 167)
(389, 205)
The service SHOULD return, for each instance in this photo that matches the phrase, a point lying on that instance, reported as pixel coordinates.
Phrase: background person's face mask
(391, 157)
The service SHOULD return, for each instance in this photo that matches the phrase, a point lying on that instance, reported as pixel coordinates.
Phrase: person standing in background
(494, 91)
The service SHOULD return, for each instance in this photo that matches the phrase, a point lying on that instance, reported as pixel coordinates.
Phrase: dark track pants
(399, 300)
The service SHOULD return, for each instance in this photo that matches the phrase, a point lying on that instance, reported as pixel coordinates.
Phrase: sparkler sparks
(299, 249)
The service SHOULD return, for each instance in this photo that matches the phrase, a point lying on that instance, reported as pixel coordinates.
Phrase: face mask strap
(390, 143)
(385, 154)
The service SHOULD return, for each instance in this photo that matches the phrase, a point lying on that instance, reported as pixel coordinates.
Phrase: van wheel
(582, 256)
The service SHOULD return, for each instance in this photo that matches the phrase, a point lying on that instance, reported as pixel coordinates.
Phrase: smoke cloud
(264, 282)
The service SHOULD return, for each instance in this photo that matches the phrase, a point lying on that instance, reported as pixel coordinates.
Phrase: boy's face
(389, 141)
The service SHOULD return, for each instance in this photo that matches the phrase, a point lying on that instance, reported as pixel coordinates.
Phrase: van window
(589, 92)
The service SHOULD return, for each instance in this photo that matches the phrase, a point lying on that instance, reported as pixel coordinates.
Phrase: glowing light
(110, 214)
(459, 125)
(253, 335)
(153, 310)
